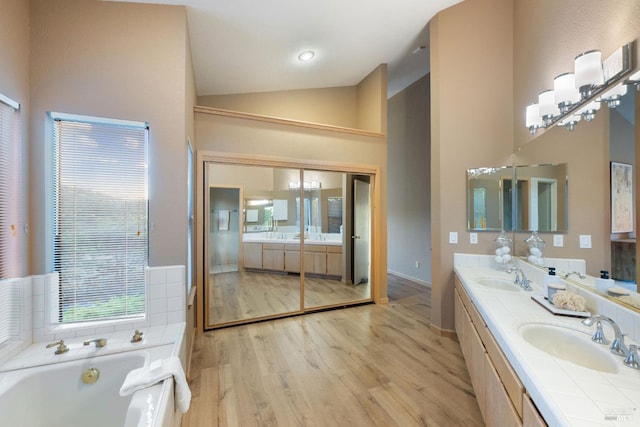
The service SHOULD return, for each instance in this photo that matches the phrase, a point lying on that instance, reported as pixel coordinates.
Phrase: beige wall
(335, 106)
(471, 126)
(372, 105)
(125, 61)
(535, 42)
(14, 83)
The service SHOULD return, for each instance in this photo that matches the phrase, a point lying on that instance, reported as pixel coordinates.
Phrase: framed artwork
(621, 198)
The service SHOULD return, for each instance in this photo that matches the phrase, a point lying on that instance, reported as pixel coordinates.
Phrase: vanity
(530, 367)
(322, 253)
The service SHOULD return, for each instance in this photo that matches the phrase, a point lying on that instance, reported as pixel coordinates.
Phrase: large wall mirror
(521, 198)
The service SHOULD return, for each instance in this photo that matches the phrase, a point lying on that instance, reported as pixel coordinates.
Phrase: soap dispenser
(604, 282)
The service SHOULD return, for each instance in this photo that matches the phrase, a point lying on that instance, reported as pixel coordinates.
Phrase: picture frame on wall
(622, 217)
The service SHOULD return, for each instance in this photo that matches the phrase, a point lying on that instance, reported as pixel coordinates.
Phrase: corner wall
(471, 126)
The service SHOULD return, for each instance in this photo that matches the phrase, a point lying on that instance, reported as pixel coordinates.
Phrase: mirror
(541, 198)
(489, 198)
(540, 195)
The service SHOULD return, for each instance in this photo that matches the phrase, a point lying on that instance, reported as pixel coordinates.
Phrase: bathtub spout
(100, 342)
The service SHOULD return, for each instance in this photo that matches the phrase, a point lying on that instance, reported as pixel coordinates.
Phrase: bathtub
(55, 396)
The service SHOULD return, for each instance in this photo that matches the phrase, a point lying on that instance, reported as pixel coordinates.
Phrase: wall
(409, 209)
(335, 106)
(119, 60)
(372, 113)
(471, 126)
(14, 83)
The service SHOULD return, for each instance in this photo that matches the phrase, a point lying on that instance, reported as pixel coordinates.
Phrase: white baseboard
(411, 278)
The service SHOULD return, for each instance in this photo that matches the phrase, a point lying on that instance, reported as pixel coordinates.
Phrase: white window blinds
(101, 211)
(11, 237)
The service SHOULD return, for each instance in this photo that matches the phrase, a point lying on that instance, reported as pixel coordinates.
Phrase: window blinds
(101, 212)
(11, 196)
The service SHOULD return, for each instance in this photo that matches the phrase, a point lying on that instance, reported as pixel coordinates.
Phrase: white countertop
(289, 239)
(566, 394)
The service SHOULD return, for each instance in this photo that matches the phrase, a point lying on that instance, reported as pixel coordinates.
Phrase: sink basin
(498, 283)
(569, 345)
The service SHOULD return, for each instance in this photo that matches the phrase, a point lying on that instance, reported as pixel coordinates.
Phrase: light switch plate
(473, 238)
(453, 237)
(585, 241)
(558, 240)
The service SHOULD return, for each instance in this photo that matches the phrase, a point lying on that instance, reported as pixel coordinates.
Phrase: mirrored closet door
(282, 241)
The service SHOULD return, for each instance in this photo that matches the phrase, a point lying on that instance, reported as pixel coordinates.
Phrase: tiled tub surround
(166, 306)
(565, 394)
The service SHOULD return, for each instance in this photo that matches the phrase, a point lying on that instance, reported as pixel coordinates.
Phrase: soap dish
(558, 311)
(618, 291)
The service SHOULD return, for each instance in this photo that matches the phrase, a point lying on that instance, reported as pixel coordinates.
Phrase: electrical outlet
(453, 237)
(585, 241)
(473, 238)
(417, 264)
(558, 240)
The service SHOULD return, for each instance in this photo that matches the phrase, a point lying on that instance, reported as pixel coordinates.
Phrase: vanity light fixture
(565, 91)
(577, 96)
(548, 107)
(533, 119)
(589, 74)
(306, 56)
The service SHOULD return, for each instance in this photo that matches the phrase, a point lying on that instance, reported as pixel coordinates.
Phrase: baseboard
(447, 333)
(410, 278)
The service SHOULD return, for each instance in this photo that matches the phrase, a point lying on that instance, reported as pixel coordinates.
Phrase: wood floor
(371, 365)
(240, 295)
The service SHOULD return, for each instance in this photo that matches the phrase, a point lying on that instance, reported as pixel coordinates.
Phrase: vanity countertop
(565, 394)
(249, 238)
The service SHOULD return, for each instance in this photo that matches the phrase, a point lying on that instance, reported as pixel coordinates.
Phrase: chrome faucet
(577, 273)
(100, 342)
(60, 347)
(617, 346)
(521, 280)
(632, 359)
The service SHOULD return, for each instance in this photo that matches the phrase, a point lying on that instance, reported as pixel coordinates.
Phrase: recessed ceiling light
(307, 55)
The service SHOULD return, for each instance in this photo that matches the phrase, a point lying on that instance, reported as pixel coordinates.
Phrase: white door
(361, 231)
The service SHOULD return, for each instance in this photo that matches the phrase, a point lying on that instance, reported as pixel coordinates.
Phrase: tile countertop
(565, 394)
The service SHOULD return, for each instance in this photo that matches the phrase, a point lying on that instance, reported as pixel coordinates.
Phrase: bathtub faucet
(61, 347)
(100, 342)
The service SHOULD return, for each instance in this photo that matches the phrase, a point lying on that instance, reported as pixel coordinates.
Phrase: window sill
(61, 328)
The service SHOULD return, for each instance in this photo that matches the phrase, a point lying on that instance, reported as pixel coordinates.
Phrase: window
(100, 217)
(11, 222)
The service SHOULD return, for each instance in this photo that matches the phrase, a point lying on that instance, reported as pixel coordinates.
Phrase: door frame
(202, 184)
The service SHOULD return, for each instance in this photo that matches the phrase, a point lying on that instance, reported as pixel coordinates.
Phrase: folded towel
(156, 372)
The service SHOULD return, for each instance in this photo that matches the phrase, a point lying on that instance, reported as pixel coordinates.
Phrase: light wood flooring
(371, 365)
(245, 294)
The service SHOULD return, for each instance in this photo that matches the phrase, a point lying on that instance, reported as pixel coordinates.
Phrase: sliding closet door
(251, 228)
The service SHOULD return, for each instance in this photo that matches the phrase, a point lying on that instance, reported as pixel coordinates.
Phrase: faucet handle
(61, 347)
(598, 336)
(632, 359)
(100, 342)
(137, 336)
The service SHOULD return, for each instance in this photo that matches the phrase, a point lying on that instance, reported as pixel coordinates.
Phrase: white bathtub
(55, 396)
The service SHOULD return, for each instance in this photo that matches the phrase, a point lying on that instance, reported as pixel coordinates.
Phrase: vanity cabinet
(501, 396)
(334, 261)
(273, 256)
(252, 255)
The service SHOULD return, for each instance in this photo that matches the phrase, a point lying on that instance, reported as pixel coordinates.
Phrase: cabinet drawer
(292, 248)
(273, 246)
(500, 411)
(315, 248)
(508, 376)
(334, 249)
(530, 415)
